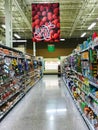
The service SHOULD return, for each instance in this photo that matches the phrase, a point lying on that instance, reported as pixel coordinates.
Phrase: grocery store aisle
(48, 106)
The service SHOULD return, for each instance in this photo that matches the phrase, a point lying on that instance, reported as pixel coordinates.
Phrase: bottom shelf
(30, 85)
(10, 105)
(87, 121)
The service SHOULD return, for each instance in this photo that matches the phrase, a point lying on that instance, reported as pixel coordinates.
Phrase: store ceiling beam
(90, 14)
(85, 3)
(20, 29)
(78, 16)
(23, 15)
(69, 9)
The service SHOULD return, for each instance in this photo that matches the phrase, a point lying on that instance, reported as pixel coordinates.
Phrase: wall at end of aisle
(30, 51)
(58, 52)
(61, 48)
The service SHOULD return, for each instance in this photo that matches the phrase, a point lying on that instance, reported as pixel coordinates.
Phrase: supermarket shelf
(29, 76)
(10, 97)
(88, 122)
(68, 88)
(29, 87)
(12, 49)
(85, 59)
(21, 57)
(79, 109)
(32, 76)
(6, 82)
(79, 73)
(20, 97)
(90, 94)
(80, 81)
(9, 93)
(94, 84)
(90, 126)
(20, 76)
(76, 72)
(1, 54)
(84, 91)
(96, 113)
(12, 106)
(30, 72)
(27, 81)
(73, 77)
(94, 45)
(90, 82)
(86, 49)
(9, 88)
(11, 56)
(1, 64)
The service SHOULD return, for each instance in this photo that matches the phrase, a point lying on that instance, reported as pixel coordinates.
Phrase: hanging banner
(45, 22)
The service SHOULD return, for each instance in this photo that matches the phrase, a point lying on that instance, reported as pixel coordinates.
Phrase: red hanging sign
(45, 22)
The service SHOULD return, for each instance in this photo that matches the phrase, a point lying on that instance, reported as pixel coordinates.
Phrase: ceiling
(75, 17)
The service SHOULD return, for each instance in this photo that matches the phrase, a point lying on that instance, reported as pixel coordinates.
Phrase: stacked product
(17, 76)
(82, 80)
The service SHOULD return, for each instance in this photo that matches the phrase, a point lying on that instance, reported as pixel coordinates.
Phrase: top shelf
(91, 46)
(94, 84)
(11, 56)
(6, 47)
(85, 50)
(95, 45)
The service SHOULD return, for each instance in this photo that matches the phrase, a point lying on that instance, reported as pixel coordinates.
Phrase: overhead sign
(51, 48)
(45, 22)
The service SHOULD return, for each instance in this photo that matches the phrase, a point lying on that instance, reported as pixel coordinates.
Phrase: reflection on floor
(48, 106)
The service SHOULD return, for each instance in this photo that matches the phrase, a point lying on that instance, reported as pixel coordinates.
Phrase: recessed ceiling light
(3, 25)
(17, 36)
(83, 34)
(19, 40)
(62, 39)
(92, 25)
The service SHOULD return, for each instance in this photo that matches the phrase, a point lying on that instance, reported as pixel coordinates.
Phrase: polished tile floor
(47, 106)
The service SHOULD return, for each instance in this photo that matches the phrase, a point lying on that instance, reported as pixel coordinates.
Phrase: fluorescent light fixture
(3, 25)
(92, 25)
(62, 39)
(83, 34)
(17, 36)
(19, 40)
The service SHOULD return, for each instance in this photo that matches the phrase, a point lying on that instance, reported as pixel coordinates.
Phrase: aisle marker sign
(45, 22)
(51, 48)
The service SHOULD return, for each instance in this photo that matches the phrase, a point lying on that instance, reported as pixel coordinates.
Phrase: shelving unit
(80, 74)
(17, 76)
(90, 126)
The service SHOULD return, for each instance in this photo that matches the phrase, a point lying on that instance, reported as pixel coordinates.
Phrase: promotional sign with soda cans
(45, 22)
